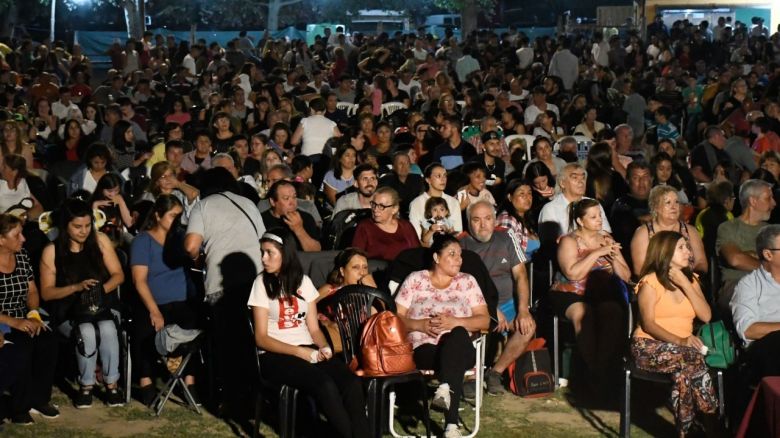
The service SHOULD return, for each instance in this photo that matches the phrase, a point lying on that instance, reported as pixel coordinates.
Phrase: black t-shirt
(699, 158)
(451, 158)
(624, 219)
(270, 221)
(406, 190)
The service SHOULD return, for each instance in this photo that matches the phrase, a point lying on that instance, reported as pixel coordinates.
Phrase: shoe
(452, 431)
(83, 398)
(494, 385)
(114, 397)
(194, 393)
(46, 411)
(148, 394)
(470, 389)
(23, 419)
(441, 399)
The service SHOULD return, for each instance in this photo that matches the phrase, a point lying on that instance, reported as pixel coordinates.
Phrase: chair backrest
(350, 307)
(529, 142)
(350, 108)
(391, 107)
(528, 145)
(342, 227)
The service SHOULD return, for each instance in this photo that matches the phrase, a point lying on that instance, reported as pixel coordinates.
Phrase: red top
(379, 244)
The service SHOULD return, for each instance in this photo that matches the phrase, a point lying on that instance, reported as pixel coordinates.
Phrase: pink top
(423, 300)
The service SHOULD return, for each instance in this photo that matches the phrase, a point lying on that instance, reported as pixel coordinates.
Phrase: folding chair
(177, 377)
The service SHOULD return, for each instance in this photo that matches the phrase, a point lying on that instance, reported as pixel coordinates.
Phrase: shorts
(508, 309)
(560, 301)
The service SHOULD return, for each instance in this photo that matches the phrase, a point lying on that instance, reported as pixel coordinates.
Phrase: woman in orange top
(670, 297)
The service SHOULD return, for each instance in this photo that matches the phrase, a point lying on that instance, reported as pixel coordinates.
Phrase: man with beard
(365, 183)
(500, 250)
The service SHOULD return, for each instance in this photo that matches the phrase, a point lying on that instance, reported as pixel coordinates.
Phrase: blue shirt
(756, 299)
(167, 285)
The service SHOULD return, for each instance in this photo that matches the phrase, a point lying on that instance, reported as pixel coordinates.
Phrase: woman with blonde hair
(14, 142)
(665, 211)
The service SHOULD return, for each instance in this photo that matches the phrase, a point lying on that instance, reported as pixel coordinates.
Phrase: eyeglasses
(380, 207)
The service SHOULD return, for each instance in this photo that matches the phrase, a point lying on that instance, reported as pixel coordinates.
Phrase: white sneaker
(452, 431)
(441, 399)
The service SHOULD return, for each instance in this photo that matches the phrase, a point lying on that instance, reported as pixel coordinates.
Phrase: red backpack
(384, 347)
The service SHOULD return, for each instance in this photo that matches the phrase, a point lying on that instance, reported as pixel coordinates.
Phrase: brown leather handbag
(384, 346)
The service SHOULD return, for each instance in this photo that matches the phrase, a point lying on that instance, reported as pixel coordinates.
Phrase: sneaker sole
(83, 406)
(35, 411)
(115, 405)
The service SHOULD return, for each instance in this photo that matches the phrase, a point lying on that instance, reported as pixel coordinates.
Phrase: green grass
(505, 416)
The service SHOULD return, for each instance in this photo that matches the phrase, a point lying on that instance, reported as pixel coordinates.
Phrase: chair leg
(375, 408)
(258, 414)
(294, 411)
(625, 411)
(284, 408)
(722, 398)
(556, 352)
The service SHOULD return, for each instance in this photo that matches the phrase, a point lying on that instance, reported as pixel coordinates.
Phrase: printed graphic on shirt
(289, 314)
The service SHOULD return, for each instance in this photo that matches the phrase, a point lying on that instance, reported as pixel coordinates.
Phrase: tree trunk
(468, 18)
(273, 15)
(9, 20)
(132, 20)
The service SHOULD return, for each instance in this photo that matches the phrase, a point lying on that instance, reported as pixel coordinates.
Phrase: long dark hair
(286, 282)
(660, 252)
(69, 267)
(507, 205)
(106, 182)
(336, 161)
(599, 168)
(162, 205)
(674, 180)
(118, 136)
(341, 261)
(577, 210)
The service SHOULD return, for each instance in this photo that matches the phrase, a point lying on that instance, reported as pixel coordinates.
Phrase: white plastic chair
(350, 108)
(479, 373)
(391, 107)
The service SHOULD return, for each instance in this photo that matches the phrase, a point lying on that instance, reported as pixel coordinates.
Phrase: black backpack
(342, 227)
(531, 375)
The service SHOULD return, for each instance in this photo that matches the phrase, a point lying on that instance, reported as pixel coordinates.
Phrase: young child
(665, 128)
(437, 220)
(475, 190)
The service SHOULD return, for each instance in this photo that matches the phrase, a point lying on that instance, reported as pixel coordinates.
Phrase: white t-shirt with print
(286, 317)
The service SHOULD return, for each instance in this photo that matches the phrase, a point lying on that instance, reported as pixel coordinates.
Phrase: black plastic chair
(631, 371)
(350, 307)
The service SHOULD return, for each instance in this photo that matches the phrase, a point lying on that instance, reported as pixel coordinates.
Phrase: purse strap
(241, 209)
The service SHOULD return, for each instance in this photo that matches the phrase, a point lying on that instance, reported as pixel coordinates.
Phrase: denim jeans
(108, 351)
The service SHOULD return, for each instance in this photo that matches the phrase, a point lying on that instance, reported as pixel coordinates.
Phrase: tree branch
(288, 3)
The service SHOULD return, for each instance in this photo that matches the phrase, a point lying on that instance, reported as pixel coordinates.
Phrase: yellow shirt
(158, 154)
(676, 318)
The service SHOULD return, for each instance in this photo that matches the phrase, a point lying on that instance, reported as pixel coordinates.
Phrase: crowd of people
(193, 180)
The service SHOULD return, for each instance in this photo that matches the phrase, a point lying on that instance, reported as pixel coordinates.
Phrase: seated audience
(632, 210)
(587, 288)
(665, 213)
(407, 184)
(670, 299)
(755, 307)
(440, 307)
(436, 180)
(80, 272)
(385, 234)
(365, 182)
(505, 261)
(162, 290)
(294, 349)
(284, 213)
(516, 216)
(33, 341)
(735, 241)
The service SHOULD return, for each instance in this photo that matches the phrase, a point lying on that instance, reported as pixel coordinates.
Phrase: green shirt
(738, 233)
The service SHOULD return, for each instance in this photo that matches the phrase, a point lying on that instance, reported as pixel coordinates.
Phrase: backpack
(384, 347)
(531, 375)
(720, 348)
